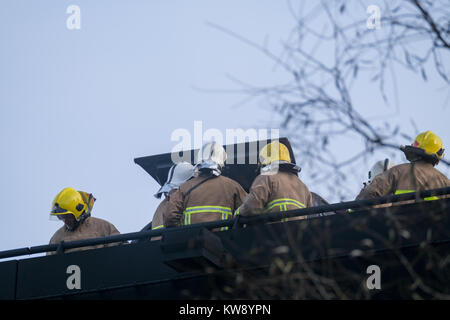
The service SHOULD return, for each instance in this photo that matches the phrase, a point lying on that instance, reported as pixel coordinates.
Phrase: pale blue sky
(77, 106)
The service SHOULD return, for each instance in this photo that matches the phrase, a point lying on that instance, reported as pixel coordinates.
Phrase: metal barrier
(235, 222)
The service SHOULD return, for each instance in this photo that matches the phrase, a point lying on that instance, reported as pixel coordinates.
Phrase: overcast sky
(77, 106)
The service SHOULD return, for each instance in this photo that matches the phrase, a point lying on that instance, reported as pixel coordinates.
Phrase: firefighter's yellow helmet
(430, 143)
(274, 151)
(68, 201)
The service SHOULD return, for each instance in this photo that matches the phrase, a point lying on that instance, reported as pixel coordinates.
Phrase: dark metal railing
(235, 222)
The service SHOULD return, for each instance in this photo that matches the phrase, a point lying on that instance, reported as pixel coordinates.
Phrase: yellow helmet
(430, 143)
(70, 201)
(274, 151)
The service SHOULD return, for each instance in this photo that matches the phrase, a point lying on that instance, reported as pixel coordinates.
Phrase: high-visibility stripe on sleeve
(410, 191)
(404, 191)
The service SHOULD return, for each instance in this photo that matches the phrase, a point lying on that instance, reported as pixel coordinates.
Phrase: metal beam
(234, 222)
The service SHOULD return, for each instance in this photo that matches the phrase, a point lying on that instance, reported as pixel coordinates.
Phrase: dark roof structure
(241, 164)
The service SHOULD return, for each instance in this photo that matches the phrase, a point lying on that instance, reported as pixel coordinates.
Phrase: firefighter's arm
(310, 200)
(49, 253)
(382, 185)
(158, 216)
(258, 197)
(111, 230)
(172, 217)
(241, 194)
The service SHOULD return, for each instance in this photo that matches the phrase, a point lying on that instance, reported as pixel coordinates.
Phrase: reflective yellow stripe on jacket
(224, 211)
(283, 205)
(409, 191)
(158, 227)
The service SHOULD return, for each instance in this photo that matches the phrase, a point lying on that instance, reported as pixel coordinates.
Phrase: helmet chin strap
(75, 225)
(84, 216)
(79, 221)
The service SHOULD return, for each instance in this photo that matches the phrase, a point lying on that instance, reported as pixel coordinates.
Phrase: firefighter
(178, 174)
(378, 168)
(208, 196)
(74, 209)
(419, 174)
(278, 187)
